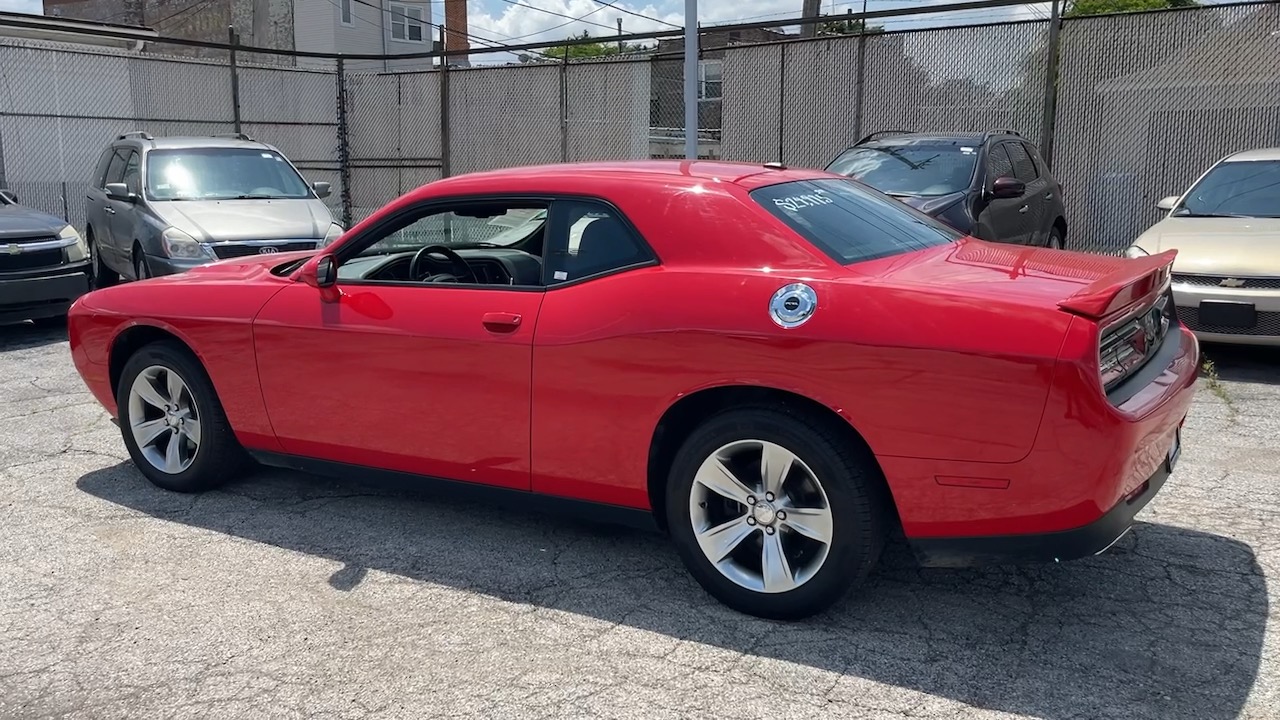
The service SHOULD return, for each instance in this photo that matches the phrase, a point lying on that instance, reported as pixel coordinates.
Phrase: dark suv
(44, 264)
(991, 185)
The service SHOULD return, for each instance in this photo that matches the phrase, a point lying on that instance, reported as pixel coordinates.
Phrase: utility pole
(811, 8)
(691, 79)
(620, 43)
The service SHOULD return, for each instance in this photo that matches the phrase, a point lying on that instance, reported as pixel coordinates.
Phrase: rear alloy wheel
(773, 513)
(1056, 241)
(103, 276)
(140, 269)
(172, 422)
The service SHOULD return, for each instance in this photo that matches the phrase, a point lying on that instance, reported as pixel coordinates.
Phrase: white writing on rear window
(796, 202)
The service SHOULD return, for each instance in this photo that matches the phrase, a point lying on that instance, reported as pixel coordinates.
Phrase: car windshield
(910, 167)
(849, 222)
(1236, 189)
(453, 230)
(222, 174)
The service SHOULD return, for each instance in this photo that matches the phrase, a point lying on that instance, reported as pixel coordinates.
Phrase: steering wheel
(455, 264)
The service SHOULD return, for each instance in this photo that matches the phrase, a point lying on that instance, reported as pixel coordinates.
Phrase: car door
(108, 243)
(124, 214)
(430, 378)
(1002, 219)
(1024, 168)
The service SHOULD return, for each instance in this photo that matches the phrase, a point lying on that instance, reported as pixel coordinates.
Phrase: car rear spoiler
(1138, 279)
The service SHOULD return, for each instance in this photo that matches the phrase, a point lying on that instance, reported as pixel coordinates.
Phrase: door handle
(1049, 196)
(1022, 209)
(501, 321)
(110, 210)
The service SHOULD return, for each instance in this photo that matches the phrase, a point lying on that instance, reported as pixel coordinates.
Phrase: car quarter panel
(212, 316)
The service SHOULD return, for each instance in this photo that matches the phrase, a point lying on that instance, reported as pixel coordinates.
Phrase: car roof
(193, 141)
(681, 173)
(1256, 154)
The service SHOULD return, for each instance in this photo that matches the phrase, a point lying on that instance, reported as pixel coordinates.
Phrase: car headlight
(1133, 251)
(335, 232)
(178, 244)
(76, 248)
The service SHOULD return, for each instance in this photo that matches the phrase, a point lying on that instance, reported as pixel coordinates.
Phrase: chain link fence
(1141, 104)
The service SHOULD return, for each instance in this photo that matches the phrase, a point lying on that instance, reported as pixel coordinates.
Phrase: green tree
(1102, 7)
(590, 50)
(848, 27)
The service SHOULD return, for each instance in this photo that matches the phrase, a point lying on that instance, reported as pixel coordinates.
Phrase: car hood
(930, 204)
(223, 220)
(1001, 274)
(17, 221)
(1218, 246)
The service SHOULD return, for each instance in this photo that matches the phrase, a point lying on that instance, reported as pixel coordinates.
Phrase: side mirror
(119, 191)
(323, 189)
(1006, 187)
(1168, 203)
(319, 272)
(8, 195)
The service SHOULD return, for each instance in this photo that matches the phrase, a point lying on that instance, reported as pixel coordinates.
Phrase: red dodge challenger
(778, 367)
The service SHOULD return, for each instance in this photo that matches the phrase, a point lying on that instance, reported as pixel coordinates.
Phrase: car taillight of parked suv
(158, 206)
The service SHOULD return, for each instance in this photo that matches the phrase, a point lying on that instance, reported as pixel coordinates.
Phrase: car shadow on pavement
(1168, 624)
(1244, 363)
(21, 336)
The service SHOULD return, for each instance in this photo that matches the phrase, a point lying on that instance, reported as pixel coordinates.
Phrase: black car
(44, 263)
(992, 185)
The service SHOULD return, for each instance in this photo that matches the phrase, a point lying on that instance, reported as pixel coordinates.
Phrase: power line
(636, 14)
(559, 14)
(547, 30)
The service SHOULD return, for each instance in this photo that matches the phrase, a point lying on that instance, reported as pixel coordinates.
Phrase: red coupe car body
(971, 370)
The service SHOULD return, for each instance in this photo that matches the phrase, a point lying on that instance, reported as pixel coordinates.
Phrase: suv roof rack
(234, 136)
(136, 134)
(878, 133)
(991, 133)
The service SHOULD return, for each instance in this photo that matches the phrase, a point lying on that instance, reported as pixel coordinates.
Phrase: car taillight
(1125, 346)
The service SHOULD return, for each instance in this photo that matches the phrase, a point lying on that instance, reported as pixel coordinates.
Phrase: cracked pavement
(285, 595)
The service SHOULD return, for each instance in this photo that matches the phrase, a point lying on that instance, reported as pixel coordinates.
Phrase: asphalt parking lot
(285, 595)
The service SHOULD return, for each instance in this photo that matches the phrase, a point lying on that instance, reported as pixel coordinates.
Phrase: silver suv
(158, 206)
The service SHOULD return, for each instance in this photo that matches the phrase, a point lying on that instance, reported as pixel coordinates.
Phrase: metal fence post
(860, 77)
(344, 145)
(444, 109)
(564, 107)
(782, 96)
(235, 78)
(1051, 83)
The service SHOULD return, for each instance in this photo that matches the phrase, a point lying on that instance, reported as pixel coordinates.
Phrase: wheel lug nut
(782, 515)
(751, 500)
(768, 496)
(751, 521)
(769, 530)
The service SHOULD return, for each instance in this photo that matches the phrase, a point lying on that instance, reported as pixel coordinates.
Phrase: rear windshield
(910, 168)
(849, 222)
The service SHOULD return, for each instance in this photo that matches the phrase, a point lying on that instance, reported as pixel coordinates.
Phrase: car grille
(232, 250)
(1216, 281)
(1268, 324)
(30, 260)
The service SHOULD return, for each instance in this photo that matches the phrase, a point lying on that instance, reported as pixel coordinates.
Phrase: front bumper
(1265, 301)
(41, 294)
(159, 265)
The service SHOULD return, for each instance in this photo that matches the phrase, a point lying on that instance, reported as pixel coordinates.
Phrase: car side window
(100, 170)
(1023, 168)
(998, 164)
(588, 238)
(1037, 163)
(115, 170)
(132, 178)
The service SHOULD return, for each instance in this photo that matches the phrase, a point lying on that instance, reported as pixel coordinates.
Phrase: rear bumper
(41, 294)
(1079, 542)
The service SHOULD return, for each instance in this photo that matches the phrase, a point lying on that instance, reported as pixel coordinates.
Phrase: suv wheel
(140, 269)
(774, 513)
(103, 276)
(1056, 241)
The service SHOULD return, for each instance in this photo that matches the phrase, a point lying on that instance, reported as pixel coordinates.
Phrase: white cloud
(33, 7)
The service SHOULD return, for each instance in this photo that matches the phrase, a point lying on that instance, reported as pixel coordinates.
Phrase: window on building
(709, 74)
(346, 12)
(406, 22)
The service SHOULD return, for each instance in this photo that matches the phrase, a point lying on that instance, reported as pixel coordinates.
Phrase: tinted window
(100, 173)
(588, 238)
(131, 176)
(1037, 163)
(222, 174)
(1246, 189)
(998, 163)
(115, 170)
(909, 168)
(503, 224)
(850, 223)
(1023, 168)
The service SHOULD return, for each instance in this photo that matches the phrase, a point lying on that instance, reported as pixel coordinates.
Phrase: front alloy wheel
(164, 419)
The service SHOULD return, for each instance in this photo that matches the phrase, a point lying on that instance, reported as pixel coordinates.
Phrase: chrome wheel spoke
(719, 541)
(145, 433)
(191, 428)
(775, 465)
(814, 523)
(774, 566)
(173, 454)
(175, 386)
(145, 390)
(717, 477)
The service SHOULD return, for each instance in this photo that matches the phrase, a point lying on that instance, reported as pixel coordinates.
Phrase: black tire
(1057, 240)
(218, 457)
(101, 275)
(140, 269)
(855, 494)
